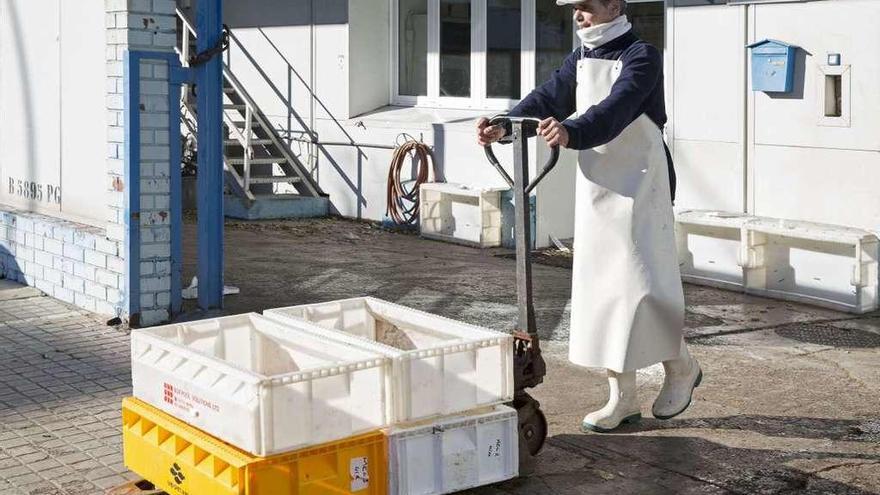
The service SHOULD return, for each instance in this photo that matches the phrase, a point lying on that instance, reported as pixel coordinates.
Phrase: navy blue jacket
(638, 90)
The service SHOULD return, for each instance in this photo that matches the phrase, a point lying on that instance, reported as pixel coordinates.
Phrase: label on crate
(186, 400)
(495, 448)
(360, 474)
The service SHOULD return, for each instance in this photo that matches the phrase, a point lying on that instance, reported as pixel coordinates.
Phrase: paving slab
(790, 402)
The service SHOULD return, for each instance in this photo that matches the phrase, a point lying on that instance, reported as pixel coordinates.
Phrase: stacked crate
(448, 430)
(245, 405)
(355, 396)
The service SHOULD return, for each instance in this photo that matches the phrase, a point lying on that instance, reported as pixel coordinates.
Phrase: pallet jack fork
(528, 364)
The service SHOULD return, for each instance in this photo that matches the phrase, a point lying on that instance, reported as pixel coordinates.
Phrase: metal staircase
(265, 177)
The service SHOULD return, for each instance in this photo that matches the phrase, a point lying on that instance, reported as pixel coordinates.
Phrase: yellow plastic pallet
(183, 460)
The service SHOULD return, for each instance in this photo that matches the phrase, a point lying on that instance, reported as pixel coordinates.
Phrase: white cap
(567, 2)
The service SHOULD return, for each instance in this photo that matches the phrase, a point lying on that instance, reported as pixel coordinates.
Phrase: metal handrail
(230, 170)
(243, 182)
(251, 112)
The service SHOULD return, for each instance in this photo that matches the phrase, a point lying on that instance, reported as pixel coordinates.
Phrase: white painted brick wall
(49, 254)
(142, 25)
(85, 266)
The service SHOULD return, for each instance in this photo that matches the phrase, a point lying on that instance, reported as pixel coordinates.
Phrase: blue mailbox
(773, 66)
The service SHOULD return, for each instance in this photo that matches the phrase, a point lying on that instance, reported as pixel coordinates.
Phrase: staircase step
(261, 142)
(229, 90)
(241, 124)
(257, 161)
(260, 179)
(234, 107)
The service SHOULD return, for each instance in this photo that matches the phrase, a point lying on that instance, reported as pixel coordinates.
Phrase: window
(503, 49)
(554, 35)
(412, 29)
(833, 96)
(648, 23)
(455, 48)
(487, 54)
(482, 54)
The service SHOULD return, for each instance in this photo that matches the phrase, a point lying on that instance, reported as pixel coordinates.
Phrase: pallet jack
(529, 367)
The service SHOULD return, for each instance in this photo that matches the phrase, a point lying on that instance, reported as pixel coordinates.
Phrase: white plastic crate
(461, 214)
(709, 247)
(261, 386)
(453, 454)
(440, 366)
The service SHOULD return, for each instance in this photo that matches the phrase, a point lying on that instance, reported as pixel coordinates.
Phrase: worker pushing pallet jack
(627, 309)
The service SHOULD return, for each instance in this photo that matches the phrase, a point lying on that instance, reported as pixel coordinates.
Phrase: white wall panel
(370, 51)
(52, 99)
(83, 119)
(710, 175)
(819, 28)
(332, 71)
(707, 89)
(707, 75)
(830, 186)
(282, 53)
(555, 197)
(29, 103)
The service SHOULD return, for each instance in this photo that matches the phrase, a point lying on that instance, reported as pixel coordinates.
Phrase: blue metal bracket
(182, 75)
(131, 76)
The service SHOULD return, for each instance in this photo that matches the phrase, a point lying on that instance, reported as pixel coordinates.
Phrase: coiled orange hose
(403, 205)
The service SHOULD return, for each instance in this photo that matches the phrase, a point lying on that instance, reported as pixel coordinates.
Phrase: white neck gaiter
(596, 36)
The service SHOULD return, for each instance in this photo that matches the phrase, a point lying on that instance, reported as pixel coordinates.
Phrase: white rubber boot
(622, 406)
(683, 375)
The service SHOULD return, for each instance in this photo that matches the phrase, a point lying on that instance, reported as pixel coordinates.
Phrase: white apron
(627, 303)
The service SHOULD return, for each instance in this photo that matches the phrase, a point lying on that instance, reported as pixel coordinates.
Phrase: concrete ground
(790, 402)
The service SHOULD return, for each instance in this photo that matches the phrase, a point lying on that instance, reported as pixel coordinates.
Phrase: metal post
(526, 320)
(209, 88)
(131, 75)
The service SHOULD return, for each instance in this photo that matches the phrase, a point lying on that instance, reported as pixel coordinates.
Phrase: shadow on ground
(624, 464)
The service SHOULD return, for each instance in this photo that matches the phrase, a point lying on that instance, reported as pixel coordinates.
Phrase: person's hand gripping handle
(487, 133)
(553, 132)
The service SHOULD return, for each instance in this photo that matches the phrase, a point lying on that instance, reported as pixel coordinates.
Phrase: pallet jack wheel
(532, 425)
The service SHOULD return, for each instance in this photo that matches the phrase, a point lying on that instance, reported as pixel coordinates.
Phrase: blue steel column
(132, 79)
(209, 26)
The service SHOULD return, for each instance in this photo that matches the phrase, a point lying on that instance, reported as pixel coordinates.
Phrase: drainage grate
(830, 336)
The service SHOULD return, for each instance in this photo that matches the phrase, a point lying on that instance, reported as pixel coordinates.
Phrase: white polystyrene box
(453, 454)
(259, 385)
(439, 366)
(461, 214)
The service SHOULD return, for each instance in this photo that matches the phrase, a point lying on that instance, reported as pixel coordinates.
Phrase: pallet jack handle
(529, 367)
(527, 124)
(517, 131)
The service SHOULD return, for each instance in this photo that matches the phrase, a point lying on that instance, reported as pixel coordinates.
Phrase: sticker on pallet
(180, 459)
(453, 454)
(440, 366)
(259, 385)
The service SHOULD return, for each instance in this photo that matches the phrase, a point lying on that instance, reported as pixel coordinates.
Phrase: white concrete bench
(826, 265)
(709, 247)
(461, 214)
